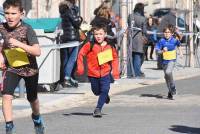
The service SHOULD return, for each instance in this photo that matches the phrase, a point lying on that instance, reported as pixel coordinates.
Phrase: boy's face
(167, 33)
(99, 35)
(13, 16)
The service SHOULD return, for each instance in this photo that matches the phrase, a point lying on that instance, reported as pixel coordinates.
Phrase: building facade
(49, 8)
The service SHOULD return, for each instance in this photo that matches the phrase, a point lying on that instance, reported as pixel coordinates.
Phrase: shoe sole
(170, 98)
(97, 116)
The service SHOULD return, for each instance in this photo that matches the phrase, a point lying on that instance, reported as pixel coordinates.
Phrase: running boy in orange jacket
(102, 60)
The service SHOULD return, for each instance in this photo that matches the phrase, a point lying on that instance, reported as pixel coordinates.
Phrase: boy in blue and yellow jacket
(167, 47)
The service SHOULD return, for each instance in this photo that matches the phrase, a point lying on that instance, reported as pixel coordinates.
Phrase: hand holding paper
(15, 43)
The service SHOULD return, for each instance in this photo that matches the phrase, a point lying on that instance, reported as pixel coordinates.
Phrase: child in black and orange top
(19, 39)
(102, 59)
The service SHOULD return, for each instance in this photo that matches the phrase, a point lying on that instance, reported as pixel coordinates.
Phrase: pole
(123, 4)
(191, 47)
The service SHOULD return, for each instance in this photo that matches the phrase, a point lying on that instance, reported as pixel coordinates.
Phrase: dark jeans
(68, 61)
(100, 87)
(137, 63)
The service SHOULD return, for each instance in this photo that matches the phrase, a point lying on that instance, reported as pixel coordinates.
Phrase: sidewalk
(74, 97)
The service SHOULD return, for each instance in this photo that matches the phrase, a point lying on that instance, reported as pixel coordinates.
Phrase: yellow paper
(16, 57)
(169, 55)
(105, 56)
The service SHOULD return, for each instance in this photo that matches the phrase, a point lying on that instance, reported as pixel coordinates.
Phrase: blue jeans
(70, 57)
(100, 87)
(137, 63)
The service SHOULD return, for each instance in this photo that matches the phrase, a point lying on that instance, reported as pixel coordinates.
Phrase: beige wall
(39, 8)
(151, 6)
(1, 2)
(87, 8)
(154, 4)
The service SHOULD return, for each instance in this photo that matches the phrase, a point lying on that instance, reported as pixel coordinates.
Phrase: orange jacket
(94, 69)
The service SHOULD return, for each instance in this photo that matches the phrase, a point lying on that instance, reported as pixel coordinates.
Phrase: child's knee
(97, 93)
(32, 98)
(7, 97)
(168, 73)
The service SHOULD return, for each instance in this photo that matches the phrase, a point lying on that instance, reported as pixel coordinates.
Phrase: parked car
(180, 21)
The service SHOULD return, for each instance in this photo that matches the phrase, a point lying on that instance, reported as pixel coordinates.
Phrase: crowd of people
(100, 48)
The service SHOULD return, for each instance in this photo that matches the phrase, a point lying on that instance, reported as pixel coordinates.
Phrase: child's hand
(14, 43)
(181, 55)
(2, 64)
(80, 72)
(165, 49)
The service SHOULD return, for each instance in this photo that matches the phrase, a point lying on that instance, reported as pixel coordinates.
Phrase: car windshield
(161, 12)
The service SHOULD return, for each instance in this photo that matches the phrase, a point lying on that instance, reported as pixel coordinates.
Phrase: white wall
(1, 2)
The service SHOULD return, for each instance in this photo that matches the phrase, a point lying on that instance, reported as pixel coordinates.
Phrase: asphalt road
(138, 111)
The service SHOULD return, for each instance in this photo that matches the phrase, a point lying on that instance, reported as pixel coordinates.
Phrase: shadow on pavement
(185, 129)
(67, 93)
(158, 96)
(80, 114)
(154, 68)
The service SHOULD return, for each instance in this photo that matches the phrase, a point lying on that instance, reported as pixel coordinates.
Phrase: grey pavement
(143, 110)
(74, 97)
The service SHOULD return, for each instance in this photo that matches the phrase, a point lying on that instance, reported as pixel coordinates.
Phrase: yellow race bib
(16, 57)
(169, 55)
(105, 56)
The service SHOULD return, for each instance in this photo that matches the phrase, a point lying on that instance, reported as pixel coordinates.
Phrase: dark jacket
(139, 21)
(71, 22)
(152, 37)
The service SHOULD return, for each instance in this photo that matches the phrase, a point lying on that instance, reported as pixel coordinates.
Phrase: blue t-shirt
(170, 43)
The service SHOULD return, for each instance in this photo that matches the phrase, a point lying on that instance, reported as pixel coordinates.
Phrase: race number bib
(16, 57)
(105, 56)
(169, 55)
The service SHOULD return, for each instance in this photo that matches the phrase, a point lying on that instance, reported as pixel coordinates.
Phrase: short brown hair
(170, 27)
(98, 27)
(14, 3)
